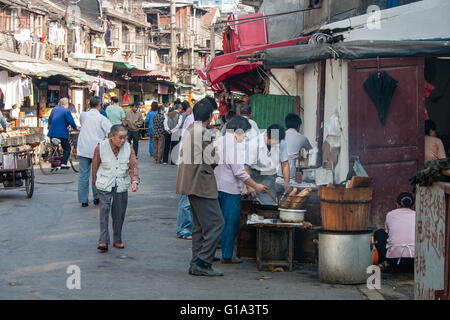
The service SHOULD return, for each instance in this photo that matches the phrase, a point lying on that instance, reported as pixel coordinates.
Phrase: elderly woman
(230, 174)
(396, 244)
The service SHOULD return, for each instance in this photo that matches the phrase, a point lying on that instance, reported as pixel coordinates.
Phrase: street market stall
(17, 157)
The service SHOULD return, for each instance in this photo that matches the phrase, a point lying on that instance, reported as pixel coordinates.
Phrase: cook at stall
(263, 154)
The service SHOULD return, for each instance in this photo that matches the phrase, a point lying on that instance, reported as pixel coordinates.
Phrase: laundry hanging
(381, 87)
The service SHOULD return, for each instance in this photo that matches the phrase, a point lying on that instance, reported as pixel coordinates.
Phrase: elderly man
(59, 121)
(114, 160)
(134, 122)
(172, 124)
(94, 129)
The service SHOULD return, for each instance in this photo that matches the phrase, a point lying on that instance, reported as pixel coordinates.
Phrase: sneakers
(65, 167)
(84, 205)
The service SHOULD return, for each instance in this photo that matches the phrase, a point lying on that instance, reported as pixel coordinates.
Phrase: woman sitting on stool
(396, 244)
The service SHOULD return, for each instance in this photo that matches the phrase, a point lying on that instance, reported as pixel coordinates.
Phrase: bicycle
(51, 156)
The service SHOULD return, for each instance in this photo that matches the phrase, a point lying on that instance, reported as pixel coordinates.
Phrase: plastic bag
(332, 130)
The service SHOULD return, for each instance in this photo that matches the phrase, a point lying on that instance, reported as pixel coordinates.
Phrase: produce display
(21, 136)
(294, 199)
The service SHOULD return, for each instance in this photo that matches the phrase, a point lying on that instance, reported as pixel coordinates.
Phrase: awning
(25, 65)
(228, 65)
(353, 50)
(121, 64)
(149, 73)
(91, 64)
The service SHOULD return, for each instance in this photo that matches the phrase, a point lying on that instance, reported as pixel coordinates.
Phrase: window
(115, 37)
(165, 58)
(140, 44)
(15, 21)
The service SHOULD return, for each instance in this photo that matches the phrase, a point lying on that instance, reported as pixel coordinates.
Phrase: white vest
(113, 171)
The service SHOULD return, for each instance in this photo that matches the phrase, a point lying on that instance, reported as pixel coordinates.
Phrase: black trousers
(134, 136)
(65, 144)
(380, 237)
(168, 146)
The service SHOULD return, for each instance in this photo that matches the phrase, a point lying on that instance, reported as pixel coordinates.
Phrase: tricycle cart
(16, 171)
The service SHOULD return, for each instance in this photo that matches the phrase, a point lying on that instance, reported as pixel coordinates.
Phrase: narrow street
(41, 237)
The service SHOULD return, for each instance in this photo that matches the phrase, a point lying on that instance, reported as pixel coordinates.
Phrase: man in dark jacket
(59, 121)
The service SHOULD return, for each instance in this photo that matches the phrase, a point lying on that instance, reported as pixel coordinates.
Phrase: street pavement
(41, 237)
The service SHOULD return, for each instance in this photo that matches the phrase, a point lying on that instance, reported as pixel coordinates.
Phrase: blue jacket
(149, 119)
(59, 120)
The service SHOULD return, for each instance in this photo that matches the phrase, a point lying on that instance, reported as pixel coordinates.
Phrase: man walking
(115, 113)
(59, 121)
(114, 160)
(94, 129)
(158, 135)
(134, 122)
(196, 180)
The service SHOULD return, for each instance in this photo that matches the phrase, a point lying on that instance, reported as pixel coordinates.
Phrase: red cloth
(428, 89)
(223, 107)
(126, 97)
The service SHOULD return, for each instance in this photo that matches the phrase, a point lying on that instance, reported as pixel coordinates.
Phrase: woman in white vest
(114, 169)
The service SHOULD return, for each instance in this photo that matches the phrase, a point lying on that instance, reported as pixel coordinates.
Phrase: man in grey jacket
(196, 180)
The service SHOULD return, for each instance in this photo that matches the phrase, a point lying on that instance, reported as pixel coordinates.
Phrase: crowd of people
(219, 158)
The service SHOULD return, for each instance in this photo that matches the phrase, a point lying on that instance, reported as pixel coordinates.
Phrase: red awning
(228, 65)
(148, 73)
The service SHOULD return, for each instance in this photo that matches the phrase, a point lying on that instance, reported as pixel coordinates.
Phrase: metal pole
(212, 42)
(173, 41)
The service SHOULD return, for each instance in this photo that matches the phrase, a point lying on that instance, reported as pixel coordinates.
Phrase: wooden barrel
(345, 209)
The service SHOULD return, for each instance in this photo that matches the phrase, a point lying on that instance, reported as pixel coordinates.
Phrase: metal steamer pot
(291, 215)
(344, 256)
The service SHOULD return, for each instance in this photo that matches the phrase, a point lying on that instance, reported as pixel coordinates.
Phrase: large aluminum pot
(344, 256)
(291, 215)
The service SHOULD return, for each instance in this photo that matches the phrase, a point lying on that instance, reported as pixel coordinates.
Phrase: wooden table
(282, 228)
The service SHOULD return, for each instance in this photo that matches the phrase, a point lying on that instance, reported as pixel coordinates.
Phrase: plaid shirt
(158, 125)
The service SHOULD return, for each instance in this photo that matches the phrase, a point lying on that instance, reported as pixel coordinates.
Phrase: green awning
(121, 64)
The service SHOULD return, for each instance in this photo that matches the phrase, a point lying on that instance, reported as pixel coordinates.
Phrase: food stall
(18, 147)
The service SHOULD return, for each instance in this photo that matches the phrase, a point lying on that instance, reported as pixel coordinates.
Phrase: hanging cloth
(31, 93)
(381, 87)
